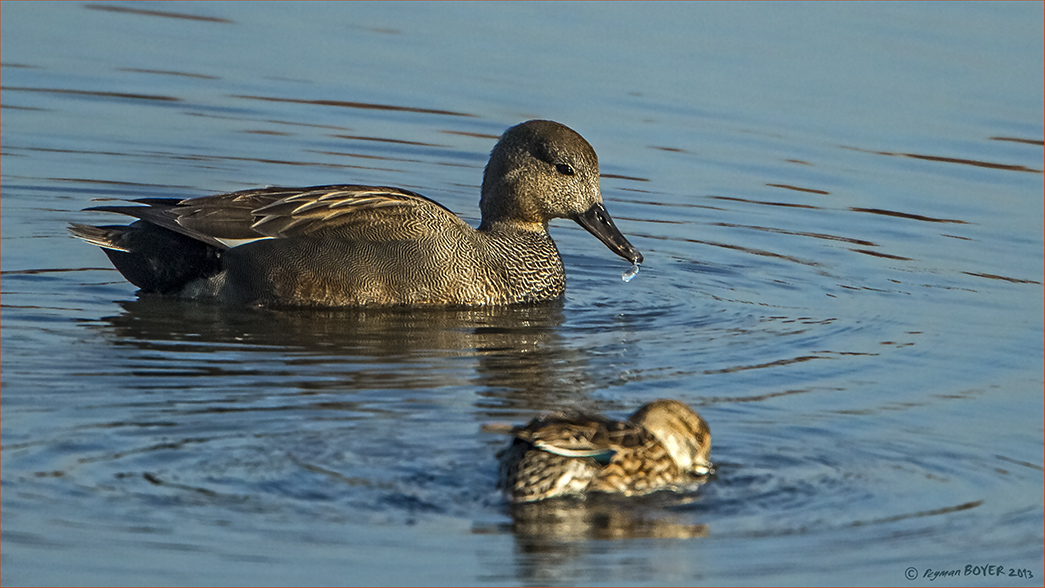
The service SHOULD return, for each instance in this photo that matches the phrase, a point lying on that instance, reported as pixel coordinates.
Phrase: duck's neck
(511, 227)
(523, 260)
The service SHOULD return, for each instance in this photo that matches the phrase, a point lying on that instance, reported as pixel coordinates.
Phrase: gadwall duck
(348, 245)
(665, 444)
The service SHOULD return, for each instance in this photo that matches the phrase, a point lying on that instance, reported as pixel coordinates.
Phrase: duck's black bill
(599, 223)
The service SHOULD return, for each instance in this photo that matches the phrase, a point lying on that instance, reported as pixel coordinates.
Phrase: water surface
(840, 207)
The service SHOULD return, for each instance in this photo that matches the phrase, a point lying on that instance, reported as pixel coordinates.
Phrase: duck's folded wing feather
(343, 211)
(602, 455)
(215, 220)
(354, 212)
(573, 436)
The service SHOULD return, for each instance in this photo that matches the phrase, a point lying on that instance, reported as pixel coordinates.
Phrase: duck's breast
(520, 266)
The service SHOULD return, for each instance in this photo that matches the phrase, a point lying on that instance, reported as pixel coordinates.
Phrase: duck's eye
(564, 169)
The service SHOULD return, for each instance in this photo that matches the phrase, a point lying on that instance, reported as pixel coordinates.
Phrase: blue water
(841, 211)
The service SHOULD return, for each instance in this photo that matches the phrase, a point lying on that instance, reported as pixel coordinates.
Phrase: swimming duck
(350, 245)
(663, 445)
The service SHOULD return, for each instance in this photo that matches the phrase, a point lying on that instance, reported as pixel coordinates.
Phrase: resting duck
(663, 445)
(348, 245)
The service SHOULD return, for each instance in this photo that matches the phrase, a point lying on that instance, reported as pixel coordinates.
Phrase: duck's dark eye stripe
(564, 169)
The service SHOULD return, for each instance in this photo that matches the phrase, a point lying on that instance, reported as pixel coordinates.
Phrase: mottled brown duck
(664, 445)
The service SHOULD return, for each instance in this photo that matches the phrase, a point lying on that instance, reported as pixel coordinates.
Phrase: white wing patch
(230, 243)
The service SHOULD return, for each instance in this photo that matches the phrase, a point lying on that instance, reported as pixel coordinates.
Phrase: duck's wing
(594, 437)
(601, 455)
(222, 220)
(356, 213)
(347, 211)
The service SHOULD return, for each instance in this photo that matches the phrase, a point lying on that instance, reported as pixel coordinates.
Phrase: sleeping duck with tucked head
(358, 246)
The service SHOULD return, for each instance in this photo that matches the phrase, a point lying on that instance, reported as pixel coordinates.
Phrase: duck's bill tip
(599, 223)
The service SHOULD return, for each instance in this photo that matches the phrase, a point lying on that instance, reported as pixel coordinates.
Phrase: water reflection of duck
(663, 445)
(347, 245)
(550, 525)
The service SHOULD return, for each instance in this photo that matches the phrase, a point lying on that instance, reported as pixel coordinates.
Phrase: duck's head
(681, 430)
(540, 170)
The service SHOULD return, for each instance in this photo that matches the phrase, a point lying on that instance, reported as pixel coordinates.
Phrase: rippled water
(840, 207)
